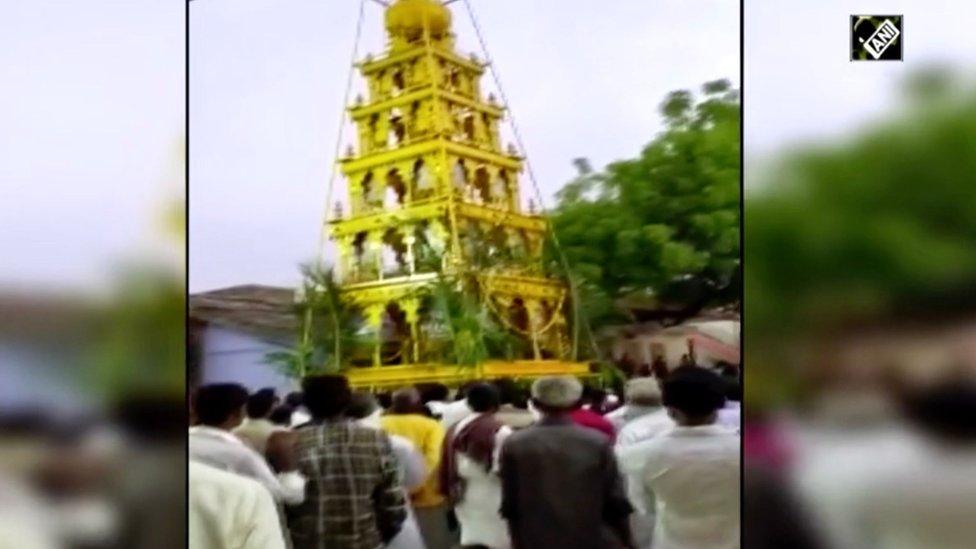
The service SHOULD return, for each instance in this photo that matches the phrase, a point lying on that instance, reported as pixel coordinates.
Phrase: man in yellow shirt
(405, 418)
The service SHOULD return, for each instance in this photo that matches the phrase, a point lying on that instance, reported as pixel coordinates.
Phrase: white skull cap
(642, 388)
(557, 391)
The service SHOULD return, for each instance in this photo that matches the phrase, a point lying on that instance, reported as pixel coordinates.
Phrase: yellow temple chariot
(434, 198)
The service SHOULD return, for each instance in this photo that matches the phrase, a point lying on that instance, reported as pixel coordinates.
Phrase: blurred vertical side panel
(860, 282)
(92, 284)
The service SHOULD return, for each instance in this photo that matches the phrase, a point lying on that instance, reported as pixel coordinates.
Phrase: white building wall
(232, 357)
(673, 346)
(36, 377)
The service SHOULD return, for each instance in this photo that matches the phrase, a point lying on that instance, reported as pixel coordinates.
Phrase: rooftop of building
(265, 312)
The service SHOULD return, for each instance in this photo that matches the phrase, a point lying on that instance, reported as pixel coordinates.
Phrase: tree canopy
(663, 225)
(878, 227)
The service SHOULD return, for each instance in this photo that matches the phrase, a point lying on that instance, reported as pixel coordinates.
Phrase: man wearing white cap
(560, 484)
(642, 396)
(640, 417)
(648, 426)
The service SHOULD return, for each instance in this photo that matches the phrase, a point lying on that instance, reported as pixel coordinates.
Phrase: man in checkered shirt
(353, 497)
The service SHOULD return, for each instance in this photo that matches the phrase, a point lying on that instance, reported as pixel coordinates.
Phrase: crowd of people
(494, 465)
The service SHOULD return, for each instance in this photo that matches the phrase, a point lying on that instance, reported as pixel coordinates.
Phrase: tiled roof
(266, 312)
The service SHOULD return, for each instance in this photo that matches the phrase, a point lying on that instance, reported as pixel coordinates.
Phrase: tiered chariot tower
(432, 193)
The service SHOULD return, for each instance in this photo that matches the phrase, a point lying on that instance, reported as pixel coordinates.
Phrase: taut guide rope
(535, 186)
(518, 137)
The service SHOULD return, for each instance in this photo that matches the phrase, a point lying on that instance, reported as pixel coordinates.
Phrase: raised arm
(281, 451)
(411, 462)
(288, 488)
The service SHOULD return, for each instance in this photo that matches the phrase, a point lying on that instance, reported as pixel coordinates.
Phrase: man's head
(220, 405)
(271, 391)
(483, 398)
(282, 415)
(361, 405)
(556, 394)
(326, 397)
(506, 389)
(733, 390)
(431, 392)
(693, 395)
(944, 411)
(150, 418)
(643, 391)
(510, 393)
(462, 392)
(260, 404)
(405, 401)
(295, 399)
(726, 370)
(594, 396)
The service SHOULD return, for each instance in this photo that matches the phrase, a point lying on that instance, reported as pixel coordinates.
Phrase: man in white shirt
(228, 511)
(257, 426)
(25, 517)
(645, 428)
(219, 409)
(651, 420)
(730, 416)
(901, 482)
(642, 396)
(692, 470)
(469, 470)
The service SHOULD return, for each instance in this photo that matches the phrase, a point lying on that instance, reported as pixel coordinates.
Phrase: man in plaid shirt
(353, 497)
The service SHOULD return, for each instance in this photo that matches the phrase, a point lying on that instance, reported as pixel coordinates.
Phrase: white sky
(584, 78)
(91, 120)
(92, 98)
(800, 83)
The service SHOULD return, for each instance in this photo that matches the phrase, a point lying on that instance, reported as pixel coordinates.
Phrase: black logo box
(864, 27)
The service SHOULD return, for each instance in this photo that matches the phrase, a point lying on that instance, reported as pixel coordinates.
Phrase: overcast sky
(91, 123)
(583, 78)
(800, 82)
(92, 98)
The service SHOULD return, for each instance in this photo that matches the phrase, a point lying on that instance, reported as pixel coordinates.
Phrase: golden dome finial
(408, 18)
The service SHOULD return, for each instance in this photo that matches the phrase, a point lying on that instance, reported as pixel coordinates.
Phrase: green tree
(473, 333)
(876, 227)
(326, 326)
(137, 348)
(665, 224)
(139, 342)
